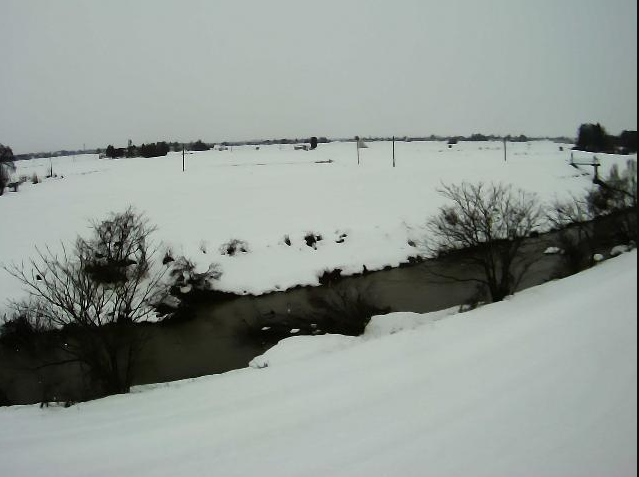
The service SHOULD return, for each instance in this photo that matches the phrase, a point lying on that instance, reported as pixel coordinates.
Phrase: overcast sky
(92, 72)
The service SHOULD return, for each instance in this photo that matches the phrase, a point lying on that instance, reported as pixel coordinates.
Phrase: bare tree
(95, 294)
(617, 192)
(616, 197)
(575, 231)
(488, 225)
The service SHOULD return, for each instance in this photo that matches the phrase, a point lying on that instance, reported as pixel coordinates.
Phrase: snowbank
(303, 347)
(542, 384)
(262, 196)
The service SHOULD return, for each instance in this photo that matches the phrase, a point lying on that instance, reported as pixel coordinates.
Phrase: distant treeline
(592, 139)
(491, 137)
(163, 148)
(471, 138)
(595, 138)
(157, 149)
(273, 142)
(63, 153)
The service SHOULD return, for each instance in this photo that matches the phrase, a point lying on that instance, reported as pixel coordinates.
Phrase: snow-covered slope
(544, 384)
(260, 196)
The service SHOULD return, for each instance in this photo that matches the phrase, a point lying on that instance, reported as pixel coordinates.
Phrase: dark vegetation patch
(168, 258)
(606, 217)
(415, 260)
(595, 138)
(342, 238)
(186, 279)
(233, 247)
(330, 277)
(312, 239)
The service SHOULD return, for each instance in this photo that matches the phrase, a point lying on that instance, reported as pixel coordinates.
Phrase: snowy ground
(260, 196)
(544, 384)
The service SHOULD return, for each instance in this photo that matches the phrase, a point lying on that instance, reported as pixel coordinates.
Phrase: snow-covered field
(544, 384)
(260, 196)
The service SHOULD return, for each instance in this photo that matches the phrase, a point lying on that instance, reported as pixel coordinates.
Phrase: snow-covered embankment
(542, 384)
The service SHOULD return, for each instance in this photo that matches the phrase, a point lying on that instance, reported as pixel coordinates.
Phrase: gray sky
(100, 72)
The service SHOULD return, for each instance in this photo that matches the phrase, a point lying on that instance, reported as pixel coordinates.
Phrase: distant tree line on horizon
(477, 137)
(62, 153)
(591, 137)
(157, 149)
(595, 138)
(163, 148)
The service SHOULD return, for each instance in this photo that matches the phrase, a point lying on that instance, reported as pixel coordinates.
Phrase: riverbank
(545, 381)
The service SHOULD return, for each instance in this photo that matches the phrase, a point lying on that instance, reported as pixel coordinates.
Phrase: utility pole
(393, 151)
(357, 142)
(505, 150)
(183, 160)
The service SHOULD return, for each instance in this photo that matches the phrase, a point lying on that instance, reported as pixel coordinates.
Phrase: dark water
(215, 340)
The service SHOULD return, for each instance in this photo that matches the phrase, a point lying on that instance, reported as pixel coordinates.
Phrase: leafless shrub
(617, 197)
(575, 232)
(617, 192)
(312, 239)
(95, 293)
(489, 223)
